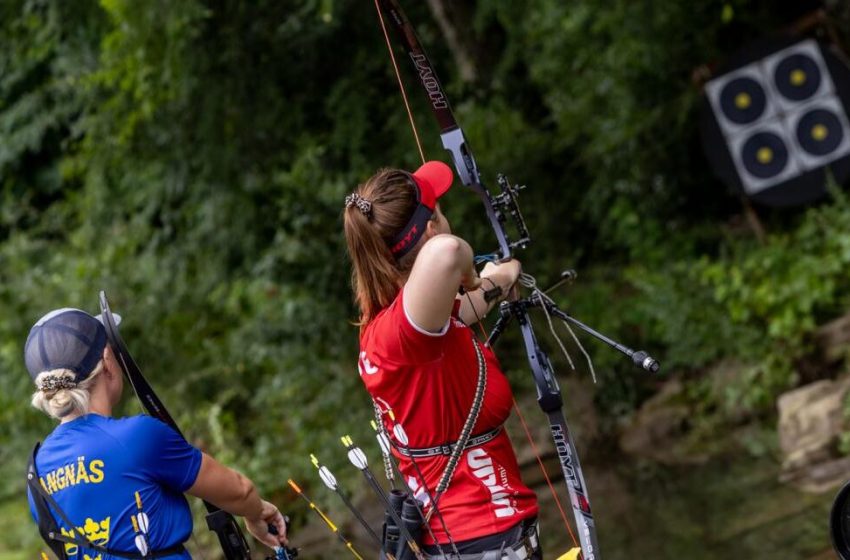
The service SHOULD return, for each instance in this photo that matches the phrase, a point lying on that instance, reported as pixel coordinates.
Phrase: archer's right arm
(444, 264)
(235, 493)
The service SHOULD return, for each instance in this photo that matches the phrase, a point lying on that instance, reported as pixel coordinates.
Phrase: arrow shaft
(422, 512)
(327, 521)
(376, 487)
(359, 516)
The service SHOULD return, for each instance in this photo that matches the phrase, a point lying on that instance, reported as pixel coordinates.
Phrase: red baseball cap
(431, 181)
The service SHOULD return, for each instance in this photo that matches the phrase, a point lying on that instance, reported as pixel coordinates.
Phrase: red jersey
(429, 380)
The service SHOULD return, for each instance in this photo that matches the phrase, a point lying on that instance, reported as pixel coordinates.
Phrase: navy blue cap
(65, 339)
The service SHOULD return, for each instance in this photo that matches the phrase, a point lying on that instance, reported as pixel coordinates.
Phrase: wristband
(493, 293)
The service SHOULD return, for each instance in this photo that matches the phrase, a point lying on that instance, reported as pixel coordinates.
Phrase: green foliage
(756, 303)
(191, 158)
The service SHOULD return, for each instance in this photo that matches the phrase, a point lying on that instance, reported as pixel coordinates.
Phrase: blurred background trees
(191, 158)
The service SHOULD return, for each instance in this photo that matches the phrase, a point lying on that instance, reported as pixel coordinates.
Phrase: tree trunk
(463, 58)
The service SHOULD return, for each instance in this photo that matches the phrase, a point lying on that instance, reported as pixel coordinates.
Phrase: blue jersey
(119, 479)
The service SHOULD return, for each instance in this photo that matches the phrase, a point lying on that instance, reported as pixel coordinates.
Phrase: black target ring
(839, 523)
(743, 100)
(764, 155)
(819, 132)
(797, 77)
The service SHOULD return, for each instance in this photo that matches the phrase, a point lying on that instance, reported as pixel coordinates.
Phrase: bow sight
(505, 204)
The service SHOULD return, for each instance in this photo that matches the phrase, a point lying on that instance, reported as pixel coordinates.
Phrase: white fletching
(328, 478)
(384, 443)
(358, 458)
(142, 544)
(400, 435)
(144, 523)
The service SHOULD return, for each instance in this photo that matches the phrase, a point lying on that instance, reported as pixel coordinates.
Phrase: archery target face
(820, 131)
(765, 155)
(741, 100)
(797, 74)
(781, 117)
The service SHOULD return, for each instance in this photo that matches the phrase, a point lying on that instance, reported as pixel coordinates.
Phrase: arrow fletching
(383, 442)
(144, 522)
(355, 454)
(325, 474)
(328, 478)
(358, 458)
(142, 545)
(400, 435)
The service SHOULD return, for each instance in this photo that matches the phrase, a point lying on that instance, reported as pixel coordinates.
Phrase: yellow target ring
(820, 132)
(798, 77)
(743, 100)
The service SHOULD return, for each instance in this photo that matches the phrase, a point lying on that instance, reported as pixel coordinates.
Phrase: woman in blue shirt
(121, 481)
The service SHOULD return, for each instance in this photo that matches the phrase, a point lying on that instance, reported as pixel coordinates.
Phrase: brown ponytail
(376, 275)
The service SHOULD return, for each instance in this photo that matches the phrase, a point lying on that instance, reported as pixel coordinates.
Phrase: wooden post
(753, 220)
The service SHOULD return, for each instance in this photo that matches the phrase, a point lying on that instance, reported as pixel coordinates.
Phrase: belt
(521, 550)
(448, 448)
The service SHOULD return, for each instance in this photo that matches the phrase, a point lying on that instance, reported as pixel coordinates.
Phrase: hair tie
(54, 383)
(362, 204)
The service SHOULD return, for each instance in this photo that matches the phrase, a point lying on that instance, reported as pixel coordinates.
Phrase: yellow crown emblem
(96, 532)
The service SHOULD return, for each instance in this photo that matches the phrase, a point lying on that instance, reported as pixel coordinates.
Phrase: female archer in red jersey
(418, 358)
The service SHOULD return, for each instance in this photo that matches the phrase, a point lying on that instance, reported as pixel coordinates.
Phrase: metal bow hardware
(501, 209)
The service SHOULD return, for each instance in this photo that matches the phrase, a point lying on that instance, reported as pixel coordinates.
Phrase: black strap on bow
(228, 531)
